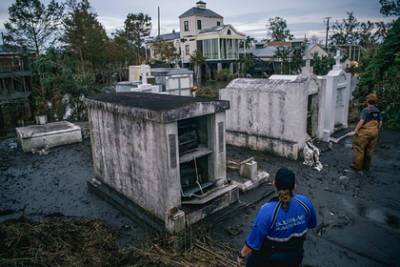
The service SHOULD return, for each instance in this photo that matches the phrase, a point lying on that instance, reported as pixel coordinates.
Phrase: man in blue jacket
(279, 231)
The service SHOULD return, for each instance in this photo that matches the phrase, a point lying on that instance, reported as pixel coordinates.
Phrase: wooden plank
(210, 195)
(197, 153)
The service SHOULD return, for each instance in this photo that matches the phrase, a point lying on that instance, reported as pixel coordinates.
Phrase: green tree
(381, 31)
(366, 36)
(137, 27)
(297, 53)
(248, 43)
(279, 30)
(197, 59)
(281, 65)
(345, 31)
(390, 7)
(120, 56)
(60, 76)
(247, 63)
(33, 25)
(166, 51)
(84, 36)
(380, 73)
(322, 65)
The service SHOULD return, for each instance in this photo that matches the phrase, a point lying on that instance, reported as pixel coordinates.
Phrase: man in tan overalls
(366, 135)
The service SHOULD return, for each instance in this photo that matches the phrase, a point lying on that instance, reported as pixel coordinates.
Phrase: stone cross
(337, 57)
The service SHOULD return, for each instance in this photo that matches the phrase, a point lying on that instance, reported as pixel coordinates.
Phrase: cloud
(249, 17)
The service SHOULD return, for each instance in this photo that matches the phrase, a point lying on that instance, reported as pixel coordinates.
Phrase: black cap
(284, 179)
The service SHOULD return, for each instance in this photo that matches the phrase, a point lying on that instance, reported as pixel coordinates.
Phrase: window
(187, 50)
(199, 24)
(186, 25)
(210, 48)
(229, 32)
(218, 23)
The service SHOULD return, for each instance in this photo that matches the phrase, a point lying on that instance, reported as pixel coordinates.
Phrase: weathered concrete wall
(126, 162)
(267, 114)
(164, 116)
(216, 141)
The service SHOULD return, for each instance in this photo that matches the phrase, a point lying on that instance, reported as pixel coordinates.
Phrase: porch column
(238, 48)
(219, 49)
(219, 67)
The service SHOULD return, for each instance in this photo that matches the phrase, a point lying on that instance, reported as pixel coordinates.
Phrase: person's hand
(240, 262)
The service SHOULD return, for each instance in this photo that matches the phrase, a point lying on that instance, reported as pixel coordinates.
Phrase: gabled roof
(169, 36)
(268, 51)
(221, 29)
(203, 12)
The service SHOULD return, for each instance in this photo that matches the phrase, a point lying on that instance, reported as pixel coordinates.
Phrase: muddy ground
(358, 216)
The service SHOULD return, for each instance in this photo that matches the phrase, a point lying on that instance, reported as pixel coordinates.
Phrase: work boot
(358, 171)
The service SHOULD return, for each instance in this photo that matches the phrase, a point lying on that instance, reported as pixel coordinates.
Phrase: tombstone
(334, 101)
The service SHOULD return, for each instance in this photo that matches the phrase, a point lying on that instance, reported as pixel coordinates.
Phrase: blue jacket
(276, 224)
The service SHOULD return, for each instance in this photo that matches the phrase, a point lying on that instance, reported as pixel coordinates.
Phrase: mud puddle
(378, 215)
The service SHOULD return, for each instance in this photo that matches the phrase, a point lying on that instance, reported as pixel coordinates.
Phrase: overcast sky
(247, 16)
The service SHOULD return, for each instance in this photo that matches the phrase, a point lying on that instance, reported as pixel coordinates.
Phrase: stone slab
(35, 137)
(262, 177)
(223, 201)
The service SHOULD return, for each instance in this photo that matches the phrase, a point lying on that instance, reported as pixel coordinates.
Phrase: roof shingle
(204, 12)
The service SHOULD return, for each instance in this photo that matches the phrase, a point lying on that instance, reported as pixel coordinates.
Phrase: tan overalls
(363, 145)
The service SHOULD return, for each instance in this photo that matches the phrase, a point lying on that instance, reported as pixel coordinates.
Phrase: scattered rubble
(249, 176)
(41, 151)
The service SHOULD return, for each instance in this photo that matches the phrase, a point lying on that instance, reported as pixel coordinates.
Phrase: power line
(327, 32)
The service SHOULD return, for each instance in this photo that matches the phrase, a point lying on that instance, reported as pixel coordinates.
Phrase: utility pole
(158, 21)
(327, 32)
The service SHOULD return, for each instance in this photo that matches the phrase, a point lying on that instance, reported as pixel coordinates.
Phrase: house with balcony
(202, 29)
(15, 85)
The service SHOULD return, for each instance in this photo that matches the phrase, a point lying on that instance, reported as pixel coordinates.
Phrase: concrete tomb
(334, 100)
(281, 113)
(173, 81)
(267, 115)
(36, 137)
(160, 155)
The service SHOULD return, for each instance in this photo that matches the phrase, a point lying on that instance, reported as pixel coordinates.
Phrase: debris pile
(311, 156)
(249, 176)
(59, 242)
(56, 242)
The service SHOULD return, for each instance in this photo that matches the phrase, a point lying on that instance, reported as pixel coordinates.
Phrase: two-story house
(202, 29)
(15, 85)
(173, 37)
